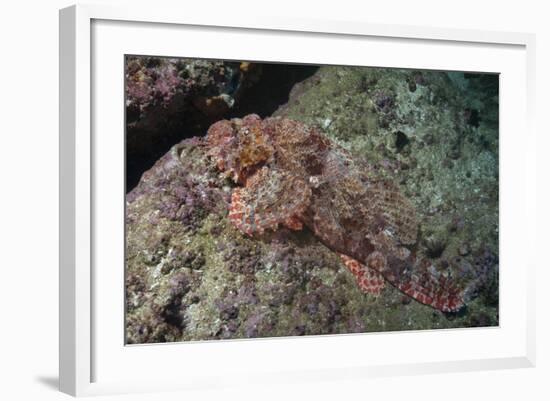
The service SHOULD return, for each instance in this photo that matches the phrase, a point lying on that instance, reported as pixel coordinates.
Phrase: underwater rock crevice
(165, 105)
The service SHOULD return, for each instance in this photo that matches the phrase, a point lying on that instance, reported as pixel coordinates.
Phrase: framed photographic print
(291, 206)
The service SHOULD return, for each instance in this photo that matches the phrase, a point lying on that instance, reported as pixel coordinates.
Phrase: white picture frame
(91, 358)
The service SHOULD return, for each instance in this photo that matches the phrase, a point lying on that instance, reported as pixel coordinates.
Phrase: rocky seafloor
(191, 275)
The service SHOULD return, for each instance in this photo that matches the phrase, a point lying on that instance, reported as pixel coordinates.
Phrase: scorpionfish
(289, 174)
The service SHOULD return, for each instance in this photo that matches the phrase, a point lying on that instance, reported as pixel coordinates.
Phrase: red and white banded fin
(418, 279)
(239, 213)
(437, 293)
(270, 198)
(369, 280)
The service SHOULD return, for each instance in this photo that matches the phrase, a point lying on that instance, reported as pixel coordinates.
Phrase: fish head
(239, 146)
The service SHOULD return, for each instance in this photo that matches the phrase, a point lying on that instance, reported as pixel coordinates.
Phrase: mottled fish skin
(292, 175)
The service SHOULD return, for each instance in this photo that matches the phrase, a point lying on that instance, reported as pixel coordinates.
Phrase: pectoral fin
(270, 198)
(369, 280)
